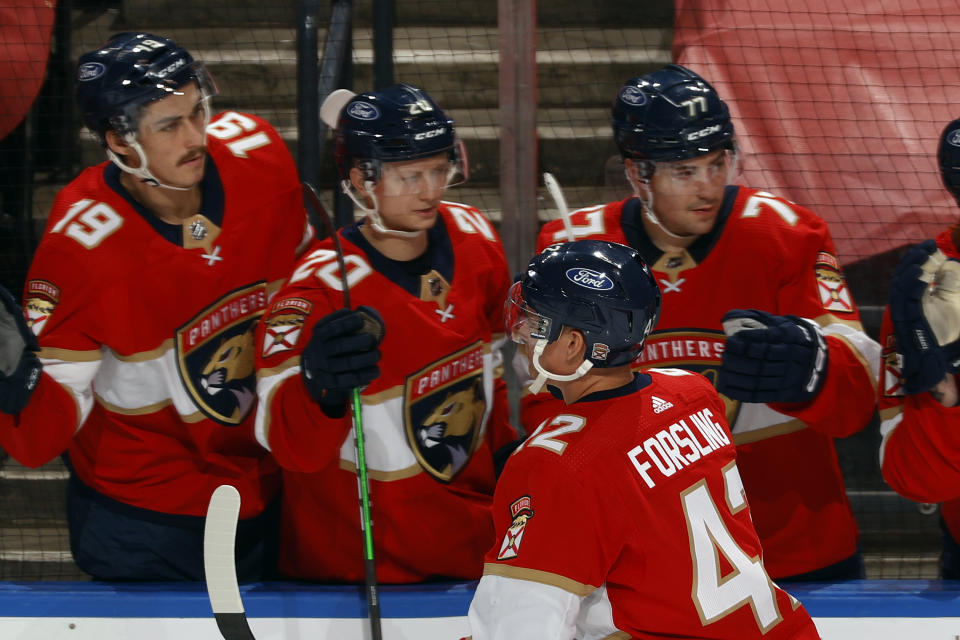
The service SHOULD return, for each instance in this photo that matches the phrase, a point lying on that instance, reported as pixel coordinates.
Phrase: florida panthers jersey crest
(446, 407)
(215, 355)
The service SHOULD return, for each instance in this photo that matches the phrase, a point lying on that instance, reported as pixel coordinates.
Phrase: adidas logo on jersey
(660, 405)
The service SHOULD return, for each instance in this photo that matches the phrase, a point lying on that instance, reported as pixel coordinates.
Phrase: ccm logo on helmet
(590, 279)
(426, 135)
(954, 137)
(706, 131)
(171, 68)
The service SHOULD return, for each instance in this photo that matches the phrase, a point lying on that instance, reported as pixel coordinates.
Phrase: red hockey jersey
(623, 515)
(146, 328)
(770, 254)
(431, 420)
(920, 449)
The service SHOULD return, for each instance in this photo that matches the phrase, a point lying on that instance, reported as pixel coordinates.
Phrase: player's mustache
(192, 156)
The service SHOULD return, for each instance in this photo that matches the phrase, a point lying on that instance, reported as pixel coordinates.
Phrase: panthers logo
(230, 368)
(215, 353)
(445, 417)
(451, 426)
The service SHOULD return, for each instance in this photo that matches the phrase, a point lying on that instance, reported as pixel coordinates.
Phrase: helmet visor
(689, 177)
(128, 119)
(433, 173)
(523, 325)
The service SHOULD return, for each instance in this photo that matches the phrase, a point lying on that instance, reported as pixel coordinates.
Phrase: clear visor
(434, 173)
(523, 324)
(128, 121)
(687, 177)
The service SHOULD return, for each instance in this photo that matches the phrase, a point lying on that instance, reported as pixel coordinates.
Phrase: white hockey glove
(941, 300)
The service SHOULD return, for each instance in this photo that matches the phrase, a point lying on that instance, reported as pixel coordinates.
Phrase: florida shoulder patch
(891, 368)
(41, 298)
(521, 510)
(834, 293)
(283, 325)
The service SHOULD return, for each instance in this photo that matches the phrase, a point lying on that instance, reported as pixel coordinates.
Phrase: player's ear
(117, 144)
(356, 179)
(637, 175)
(574, 345)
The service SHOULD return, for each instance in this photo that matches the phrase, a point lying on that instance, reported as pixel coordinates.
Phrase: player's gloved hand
(924, 362)
(19, 365)
(770, 358)
(342, 355)
(941, 305)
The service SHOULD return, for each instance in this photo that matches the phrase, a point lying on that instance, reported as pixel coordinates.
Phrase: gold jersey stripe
(67, 355)
(543, 577)
(768, 432)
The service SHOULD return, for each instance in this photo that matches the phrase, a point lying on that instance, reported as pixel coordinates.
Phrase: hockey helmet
(948, 157)
(129, 72)
(601, 288)
(400, 122)
(670, 114)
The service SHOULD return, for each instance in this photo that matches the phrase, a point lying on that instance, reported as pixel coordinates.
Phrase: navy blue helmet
(398, 123)
(601, 288)
(129, 72)
(670, 114)
(948, 156)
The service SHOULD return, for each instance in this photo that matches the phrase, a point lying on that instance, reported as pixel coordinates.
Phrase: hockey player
(434, 406)
(134, 349)
(920, 334)
(754, 298)
(623, 514)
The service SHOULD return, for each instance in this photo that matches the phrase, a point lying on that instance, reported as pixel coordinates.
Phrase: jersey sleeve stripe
(542, 577)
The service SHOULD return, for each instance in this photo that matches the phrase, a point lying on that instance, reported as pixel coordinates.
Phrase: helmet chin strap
(545, 375)
(373, 213)
(648, 209)
(142, 172)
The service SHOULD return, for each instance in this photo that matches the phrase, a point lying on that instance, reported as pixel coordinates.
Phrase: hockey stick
(557, 194)
(219, 564)
(366, 522)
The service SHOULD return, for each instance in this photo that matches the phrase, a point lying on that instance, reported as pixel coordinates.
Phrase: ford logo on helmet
(589, 278)
(954, 137)
(90, 71)
(363, 111)
(633, 96)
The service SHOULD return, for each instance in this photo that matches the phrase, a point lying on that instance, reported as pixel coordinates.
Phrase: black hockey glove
(925, 317)
(770, 358)
(19, 366)
(342, 355)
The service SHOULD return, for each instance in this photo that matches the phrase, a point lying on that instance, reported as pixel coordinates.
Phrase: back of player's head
(670, 114)
(601, 288)
(948, 157)
(129, 72)
(400, 122)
